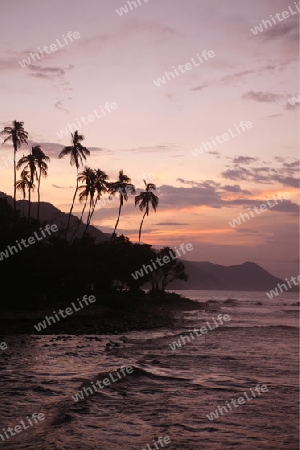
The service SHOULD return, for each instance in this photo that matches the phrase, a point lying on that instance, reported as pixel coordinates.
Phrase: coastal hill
(50, 214)
(248, 276)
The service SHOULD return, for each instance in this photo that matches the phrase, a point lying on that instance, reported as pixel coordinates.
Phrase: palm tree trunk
(29, 203)
(140, 232)
(15, 178)
(80, 220)
(72, 206)
(91, 212)
(39, 195)
(114, 232)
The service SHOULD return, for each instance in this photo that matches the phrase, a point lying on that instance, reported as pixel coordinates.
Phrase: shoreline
(143, 313)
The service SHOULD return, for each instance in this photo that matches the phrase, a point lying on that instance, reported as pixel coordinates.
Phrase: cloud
(243, 160)
(127, 30)
(48, 73)
(179, 197)
(291, 107)
(199, 88)
(262, 97)
(171, 224)
(288, 29)
(60, 105)
(61, 187)
(152, 149)
(246, 230)
(286, 173)
(239, 75)
(287, 206)
(235, 188)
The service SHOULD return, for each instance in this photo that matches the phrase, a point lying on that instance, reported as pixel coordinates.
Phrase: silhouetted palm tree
(26, 183)
(41, 159)
(123, 186)
(77, 153)
(18, 136)
(97, 187)
(87, 176)
(144, 200)
(29, 163)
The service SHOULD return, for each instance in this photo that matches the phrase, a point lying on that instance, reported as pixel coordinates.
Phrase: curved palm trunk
(15, 177)
(39, 195)
(72, 206)
(114, 232)
(90, 215)
(80, 220)
(88, 219)
(140, 232)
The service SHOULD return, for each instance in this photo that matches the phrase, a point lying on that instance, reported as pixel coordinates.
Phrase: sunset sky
(154, 130)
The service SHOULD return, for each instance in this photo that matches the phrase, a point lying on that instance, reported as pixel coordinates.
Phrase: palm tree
(123, 186)
(29, 164)
(18, 136)
(23, 184)
(26, 183)
(144, 200)
(77, 153)
(41, 159)
(87, 176)
(98, 187)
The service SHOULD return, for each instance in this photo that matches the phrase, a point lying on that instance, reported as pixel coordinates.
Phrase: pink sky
(155, 129)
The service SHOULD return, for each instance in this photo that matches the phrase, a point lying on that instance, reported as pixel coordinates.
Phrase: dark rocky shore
(143, 313)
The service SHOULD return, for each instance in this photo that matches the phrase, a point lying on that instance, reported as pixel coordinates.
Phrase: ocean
(167, 399)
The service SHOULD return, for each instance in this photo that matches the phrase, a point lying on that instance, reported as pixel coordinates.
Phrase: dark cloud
(48, 73)
(239, 75)
(243, 160)
(61, 187)
(60, 105)
(262, 97)
(171, 224)
(235, 188)
(288, 29)
(287, 206)
(291, 107)
(199, 88)
(246, 230)
(152, 149)
(210, 184)
(286, 173)
(178, 197)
